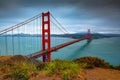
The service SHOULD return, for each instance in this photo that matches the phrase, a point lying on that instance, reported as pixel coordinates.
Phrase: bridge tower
(46, 36)
(88, 36)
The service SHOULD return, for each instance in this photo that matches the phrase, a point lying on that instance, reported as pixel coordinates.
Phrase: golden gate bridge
(43, 27)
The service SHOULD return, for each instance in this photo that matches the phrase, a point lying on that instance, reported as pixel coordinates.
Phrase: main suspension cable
(60, 24)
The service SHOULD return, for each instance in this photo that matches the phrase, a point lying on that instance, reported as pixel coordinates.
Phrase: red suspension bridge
(39, 35)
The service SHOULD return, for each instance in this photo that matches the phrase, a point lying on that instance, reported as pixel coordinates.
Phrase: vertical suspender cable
(34, 46)
(6, 44)
(24, 40)
(32, 36)
(37, 34)
(18, 41)
(0, 46)
(40, 37)
(13, 41)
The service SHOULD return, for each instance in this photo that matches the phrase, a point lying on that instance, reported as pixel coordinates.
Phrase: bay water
(105, 48)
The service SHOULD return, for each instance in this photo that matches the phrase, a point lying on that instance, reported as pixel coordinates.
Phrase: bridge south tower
(46, 36)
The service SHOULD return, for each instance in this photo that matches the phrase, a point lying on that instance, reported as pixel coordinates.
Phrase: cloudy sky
(102, 16)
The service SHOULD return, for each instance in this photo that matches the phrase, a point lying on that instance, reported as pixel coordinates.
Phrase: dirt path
(101, 74)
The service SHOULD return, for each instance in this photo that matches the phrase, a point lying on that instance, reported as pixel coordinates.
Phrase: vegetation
(19, 68)
(22, 68)
(117, 67)
(64, 68)
(92, 62)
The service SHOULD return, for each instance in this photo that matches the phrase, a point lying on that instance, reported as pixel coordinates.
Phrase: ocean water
(105, 48)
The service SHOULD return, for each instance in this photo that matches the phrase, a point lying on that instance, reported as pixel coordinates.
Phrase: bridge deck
(41, 53)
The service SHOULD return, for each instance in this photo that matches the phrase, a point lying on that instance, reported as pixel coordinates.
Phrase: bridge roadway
(41, 53)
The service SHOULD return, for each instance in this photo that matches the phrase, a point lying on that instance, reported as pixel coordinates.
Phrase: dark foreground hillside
(86, 68)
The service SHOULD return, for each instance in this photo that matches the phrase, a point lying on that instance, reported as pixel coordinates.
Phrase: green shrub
(20, 74)
(117, 67)
(92, 62)
(23, 70)
(64, 68)
(40, 65)
(5, 68)
(25, 65)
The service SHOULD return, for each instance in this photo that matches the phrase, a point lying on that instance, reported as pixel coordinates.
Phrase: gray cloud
(88, 4)
(94, 12)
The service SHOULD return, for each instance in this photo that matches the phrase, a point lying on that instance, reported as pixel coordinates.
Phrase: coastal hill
(86, 68)
(72, 35)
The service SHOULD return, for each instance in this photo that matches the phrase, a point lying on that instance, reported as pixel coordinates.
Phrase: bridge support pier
(46, 36)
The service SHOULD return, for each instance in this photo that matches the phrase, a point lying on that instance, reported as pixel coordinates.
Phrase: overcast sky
(102, 16)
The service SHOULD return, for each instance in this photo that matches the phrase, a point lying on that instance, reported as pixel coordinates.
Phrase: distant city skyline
(101, 16)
